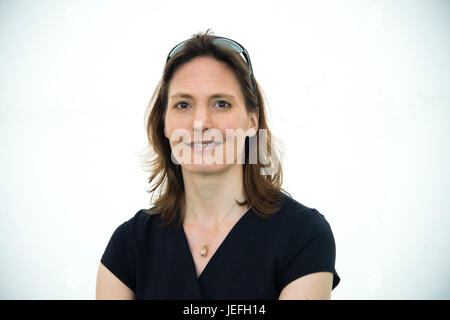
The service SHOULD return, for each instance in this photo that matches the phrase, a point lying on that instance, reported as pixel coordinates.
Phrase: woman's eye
(181, 105)
(222, 102)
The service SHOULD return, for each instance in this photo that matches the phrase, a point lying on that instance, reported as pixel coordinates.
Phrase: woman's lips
(203, 146)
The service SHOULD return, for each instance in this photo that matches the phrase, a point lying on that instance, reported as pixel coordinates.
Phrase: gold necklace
(204, 249)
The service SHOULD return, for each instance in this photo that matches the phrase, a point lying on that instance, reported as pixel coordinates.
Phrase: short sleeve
(118, 258)
(311, 249)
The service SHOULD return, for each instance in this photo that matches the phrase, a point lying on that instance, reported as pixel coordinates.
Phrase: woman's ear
(253, 123)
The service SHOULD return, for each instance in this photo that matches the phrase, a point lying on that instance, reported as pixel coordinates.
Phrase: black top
(256, 260)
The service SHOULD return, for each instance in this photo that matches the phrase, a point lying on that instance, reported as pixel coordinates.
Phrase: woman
(222, 227)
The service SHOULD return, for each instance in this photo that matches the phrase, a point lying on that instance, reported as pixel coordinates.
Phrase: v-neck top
(255, 261)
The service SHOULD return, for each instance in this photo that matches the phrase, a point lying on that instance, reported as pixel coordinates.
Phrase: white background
(358, 92)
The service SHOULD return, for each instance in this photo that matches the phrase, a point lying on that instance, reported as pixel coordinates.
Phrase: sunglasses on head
(221, 42)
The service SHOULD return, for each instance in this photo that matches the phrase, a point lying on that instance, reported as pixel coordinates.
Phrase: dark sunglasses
(221, 42)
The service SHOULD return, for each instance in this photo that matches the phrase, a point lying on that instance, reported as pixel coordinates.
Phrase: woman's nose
(202, 118)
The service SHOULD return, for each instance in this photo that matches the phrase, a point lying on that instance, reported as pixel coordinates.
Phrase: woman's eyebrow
(214, 96)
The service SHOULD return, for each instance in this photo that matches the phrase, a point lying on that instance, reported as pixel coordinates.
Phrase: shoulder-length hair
(263, 192)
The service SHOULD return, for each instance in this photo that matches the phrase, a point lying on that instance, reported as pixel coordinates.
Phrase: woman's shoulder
(309, 242)
(141, 223)
(300, 216)
(141, 218)
(146, 217)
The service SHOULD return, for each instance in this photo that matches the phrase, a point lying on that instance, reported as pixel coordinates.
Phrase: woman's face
(205, 103)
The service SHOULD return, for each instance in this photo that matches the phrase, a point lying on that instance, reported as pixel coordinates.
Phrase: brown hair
(263, 193)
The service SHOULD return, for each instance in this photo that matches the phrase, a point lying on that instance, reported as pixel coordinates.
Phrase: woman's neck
(210, 196)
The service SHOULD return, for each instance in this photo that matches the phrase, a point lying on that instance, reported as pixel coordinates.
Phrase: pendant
(204, 251)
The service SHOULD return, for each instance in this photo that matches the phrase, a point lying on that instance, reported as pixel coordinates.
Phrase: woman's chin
(204, 168)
